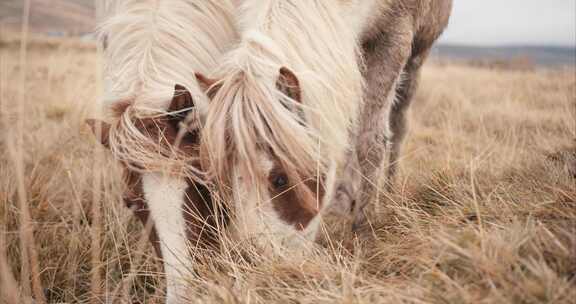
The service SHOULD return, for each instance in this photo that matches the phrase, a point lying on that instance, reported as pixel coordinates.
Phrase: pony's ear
(181, 100)
(207, 85)
(181, 105)
(289, 85)
(204, 82)
(104, 135)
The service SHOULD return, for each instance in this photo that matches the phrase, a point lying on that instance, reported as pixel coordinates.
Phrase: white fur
(151, 46)
(358, 14)
(165, 198)
(154, 44)
(317, 40)
(255, 218)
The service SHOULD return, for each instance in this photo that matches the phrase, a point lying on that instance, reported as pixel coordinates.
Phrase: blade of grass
(30, 265)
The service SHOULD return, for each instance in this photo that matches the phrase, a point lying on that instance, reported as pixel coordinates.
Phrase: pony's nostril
(352, 205)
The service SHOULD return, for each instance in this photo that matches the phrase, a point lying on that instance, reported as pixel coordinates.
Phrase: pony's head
(163, 175)
(264, 157)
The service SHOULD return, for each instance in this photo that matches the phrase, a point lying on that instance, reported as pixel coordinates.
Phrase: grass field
(484, 207)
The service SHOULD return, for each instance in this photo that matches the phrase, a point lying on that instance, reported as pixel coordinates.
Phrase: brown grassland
(483, 210)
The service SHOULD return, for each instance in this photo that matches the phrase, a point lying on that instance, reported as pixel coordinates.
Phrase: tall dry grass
(484, 208)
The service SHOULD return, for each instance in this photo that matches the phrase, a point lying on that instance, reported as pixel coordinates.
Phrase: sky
(505, 22)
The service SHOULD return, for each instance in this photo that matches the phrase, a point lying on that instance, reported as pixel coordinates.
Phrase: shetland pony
(151, 46)
(276, 132)
(287, 131)
(177, 203)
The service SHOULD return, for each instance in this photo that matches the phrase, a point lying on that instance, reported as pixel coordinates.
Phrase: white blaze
(256, 218)
(165, 197)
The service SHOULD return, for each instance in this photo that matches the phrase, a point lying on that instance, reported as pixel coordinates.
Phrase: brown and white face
(274, 205)
(179, 208)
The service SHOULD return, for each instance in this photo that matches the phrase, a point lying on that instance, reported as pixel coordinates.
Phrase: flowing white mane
(311, 39)
(154, 44)
(151, 46)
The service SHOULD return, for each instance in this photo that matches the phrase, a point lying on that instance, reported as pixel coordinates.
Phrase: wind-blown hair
(151, 46)
(131, 143)
(249, 113)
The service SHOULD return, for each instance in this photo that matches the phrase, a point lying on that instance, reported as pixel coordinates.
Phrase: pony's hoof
(359, 221)
(344, 201)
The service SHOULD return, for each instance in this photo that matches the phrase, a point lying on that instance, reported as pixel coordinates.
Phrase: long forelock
(154, 44)
(248, 114)
(249, 118)
(132, 146)
(151, 46)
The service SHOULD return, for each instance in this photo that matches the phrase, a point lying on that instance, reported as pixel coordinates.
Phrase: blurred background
(514, 32)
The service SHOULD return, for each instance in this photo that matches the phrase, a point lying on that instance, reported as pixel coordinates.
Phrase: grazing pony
(276, 134)
(288, 132)
(301, 114)
(151, 46)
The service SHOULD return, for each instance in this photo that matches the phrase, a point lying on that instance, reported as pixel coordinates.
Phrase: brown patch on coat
(203, 218)
(299, 201)
(165, 130)
(134, 200)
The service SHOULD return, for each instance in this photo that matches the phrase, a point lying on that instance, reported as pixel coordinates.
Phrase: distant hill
(77, 17)
(538, 55)
(55, 17)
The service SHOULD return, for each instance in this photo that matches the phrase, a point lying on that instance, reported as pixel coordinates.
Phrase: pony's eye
(190, 137)
(280, 181)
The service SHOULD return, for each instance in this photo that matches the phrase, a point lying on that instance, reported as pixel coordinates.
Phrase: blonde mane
(156, 43)
(249, 113)
(151, 46)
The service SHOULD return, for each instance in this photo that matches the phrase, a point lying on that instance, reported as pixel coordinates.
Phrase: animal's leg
(347, 186)
(397, 115)
(385, 57)
(165, 198)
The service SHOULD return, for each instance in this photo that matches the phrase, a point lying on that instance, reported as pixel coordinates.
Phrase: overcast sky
(496, 22)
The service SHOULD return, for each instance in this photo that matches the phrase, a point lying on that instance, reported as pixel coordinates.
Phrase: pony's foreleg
(386, 56)
(165, 198)
(397, 116)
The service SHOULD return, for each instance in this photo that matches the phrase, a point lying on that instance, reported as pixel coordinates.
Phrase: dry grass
(484, 209)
